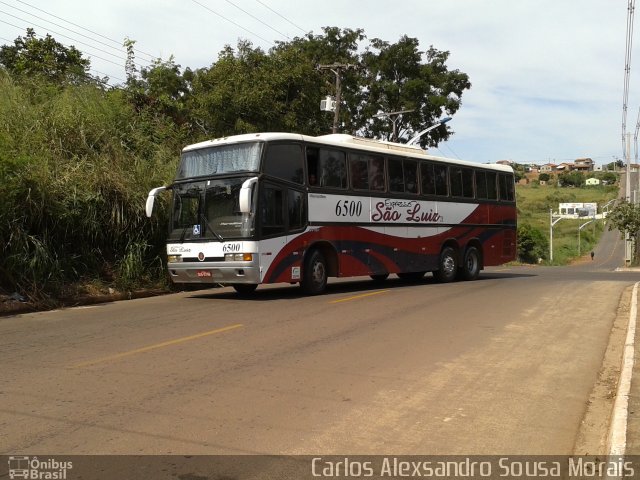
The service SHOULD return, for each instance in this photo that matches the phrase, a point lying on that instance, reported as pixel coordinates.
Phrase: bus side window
(461, 182)
(481, 185)
(332, 167)
(410, 176)
(376, 174)
(272, 210)
(359, 172)
(492, 192)
(440, 172)
(506, 187)
(297, 210)
(467, 182)
(396, 175)
(284, 161)
(312, 166)
(455, 178)
(428, 179)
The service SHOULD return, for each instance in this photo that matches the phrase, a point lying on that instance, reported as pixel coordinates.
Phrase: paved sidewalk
(633, 419)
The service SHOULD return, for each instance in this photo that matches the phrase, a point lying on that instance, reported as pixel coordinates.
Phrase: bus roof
(345, 140)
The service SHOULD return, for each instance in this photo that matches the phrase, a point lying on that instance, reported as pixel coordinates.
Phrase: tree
(32, 57)
(574, 179)
(625, 217)
(609, 177)
(397, 77)
(544, 177)
(519, 171)
(249, 90)
(161, 89)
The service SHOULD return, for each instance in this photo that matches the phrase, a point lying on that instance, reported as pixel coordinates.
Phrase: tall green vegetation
(77, 158)
(74, 171)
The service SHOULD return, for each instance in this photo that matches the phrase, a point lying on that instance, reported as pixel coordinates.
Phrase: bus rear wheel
(314, 275)
(470, 268)
(448, 266)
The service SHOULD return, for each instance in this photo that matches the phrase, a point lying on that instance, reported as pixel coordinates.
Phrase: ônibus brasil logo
(33, 468)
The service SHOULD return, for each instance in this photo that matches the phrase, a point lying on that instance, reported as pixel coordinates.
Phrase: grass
(534, 203)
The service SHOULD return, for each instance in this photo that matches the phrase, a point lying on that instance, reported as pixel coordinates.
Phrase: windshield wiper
(208, 227)
(184, 233)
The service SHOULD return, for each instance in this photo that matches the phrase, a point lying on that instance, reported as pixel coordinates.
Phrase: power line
(96, 56)
(85, 74)
(282, 16)
(83, 28)
(73, 31)
(451, 150)
(231, 21)
(72, 39)
(256, 18)
(107, 75)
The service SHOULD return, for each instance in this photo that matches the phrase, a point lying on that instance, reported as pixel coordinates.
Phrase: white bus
(280, 207)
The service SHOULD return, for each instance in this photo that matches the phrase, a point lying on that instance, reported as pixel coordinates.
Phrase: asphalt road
(502, 365)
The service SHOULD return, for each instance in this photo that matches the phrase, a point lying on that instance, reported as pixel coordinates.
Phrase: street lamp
(552, 222)
(421, 133)
(394, 116)
(579, 229)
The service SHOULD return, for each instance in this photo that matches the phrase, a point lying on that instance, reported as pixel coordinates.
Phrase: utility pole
(337, 69)
(628, 196)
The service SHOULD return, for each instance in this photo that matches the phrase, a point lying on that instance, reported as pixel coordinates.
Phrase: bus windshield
(221, 159)
(210, 210)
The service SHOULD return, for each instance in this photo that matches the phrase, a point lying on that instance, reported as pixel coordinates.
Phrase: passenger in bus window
(312, 179)
(376, 174)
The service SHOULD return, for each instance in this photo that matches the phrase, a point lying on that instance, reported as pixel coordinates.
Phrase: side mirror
(151, 199)
(245, 194)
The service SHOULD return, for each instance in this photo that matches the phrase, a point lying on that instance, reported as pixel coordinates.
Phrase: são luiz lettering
(390, 212)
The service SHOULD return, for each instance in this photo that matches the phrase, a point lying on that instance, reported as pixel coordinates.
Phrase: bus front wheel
(314, 276)
(448, 266)
(245, 288)
(379, 277)
(411, 276)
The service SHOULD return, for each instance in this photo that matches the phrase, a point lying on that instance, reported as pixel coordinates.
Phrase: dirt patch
(15, 304)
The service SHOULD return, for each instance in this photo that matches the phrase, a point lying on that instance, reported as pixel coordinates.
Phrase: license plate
(203, 273)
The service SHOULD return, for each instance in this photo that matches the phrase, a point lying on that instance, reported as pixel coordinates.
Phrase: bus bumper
(227, 272)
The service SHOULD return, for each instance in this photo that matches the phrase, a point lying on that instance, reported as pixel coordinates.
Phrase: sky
(547, 76)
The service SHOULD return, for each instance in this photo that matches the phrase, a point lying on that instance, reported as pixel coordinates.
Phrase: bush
(532, 244)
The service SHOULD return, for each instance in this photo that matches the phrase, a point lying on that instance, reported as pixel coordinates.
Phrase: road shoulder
(593, 436)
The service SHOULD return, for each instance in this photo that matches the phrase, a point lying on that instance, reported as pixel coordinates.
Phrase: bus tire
(448, 266)
(314, 276)
(245, 288)
(470, 268)
(379, 277)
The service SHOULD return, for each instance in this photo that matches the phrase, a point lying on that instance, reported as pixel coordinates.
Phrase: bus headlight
(174, 258)
(238, 257)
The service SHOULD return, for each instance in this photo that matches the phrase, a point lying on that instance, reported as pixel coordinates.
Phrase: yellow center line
(158, 345)
(359, 296)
